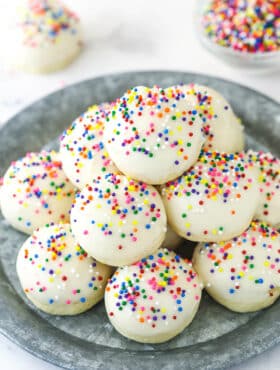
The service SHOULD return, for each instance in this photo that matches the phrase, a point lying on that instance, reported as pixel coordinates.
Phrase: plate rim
(140, 356)
(156, 71)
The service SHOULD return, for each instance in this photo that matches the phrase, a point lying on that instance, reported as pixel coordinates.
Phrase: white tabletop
(123, 36)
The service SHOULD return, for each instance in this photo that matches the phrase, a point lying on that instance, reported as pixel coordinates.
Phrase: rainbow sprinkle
(63, 273)
(83, 148)
(245, 26)
(141, 289)
(44, 21)
(171, 125)
(224, 258)
(128, 206)
(269, 181)
(39, 188)
(215, 177)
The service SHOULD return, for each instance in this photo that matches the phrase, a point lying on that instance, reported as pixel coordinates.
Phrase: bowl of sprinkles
(243, 32)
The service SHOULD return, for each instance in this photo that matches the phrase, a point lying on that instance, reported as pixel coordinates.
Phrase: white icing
(268, 168)
(40, 37)
(36, 192)
(153, 135)
(223, 130)
(117, 220)
(215, 200)
(243, 273)
(57, 275)
(155, 299)
(172, 239)
(83, 154)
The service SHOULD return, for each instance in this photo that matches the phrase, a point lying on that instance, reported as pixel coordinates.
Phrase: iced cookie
(36, 192)
(269, 182)
(153, 134)
(41, 36)
(155, 299)
(118, 221)
(172, 240)
(57, 275)
(243, 273)
(214, 200)
(83, 154)
(221, 127)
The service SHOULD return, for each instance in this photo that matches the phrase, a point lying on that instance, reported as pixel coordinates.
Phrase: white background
(120, 36)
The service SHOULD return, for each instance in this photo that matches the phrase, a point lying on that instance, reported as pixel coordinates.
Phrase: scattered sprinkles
(252, 258)
(44, 21)
(82, 149)
(120, 213)
(213, 109)
(243, 25)
(216, 180)
(38, 188)
(269, 181)
(147, 122)
(54, 270)
(156, 291)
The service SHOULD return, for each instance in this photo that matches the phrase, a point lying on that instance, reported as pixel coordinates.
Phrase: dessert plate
(217, 338)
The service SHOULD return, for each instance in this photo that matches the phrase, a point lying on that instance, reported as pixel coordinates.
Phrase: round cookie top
(118, 220)
(153, 134)
(221, 127)
(42, 22)
(154, 299)
(214, 200)
(83, 154)
(243, 273)
(269, 182)
(57, 274)
(40, 36)
(36, 192)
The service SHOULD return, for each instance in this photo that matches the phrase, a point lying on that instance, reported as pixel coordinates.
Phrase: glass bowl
(246, 60)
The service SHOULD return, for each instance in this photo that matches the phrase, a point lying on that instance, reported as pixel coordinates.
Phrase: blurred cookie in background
(40, 36)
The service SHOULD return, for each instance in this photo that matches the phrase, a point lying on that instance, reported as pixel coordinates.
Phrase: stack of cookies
(133, 179)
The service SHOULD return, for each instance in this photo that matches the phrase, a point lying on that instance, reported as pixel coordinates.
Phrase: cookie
(243, 274)
(57, 275)
(222, 129)
(269, 182)
(172, 240)
(118, 220)
(82, 150)
(41, 36)
(153, 134)
(155, 299)
(36, 192)
(215, 200)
